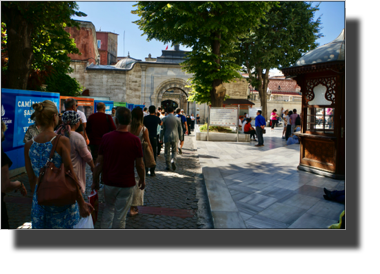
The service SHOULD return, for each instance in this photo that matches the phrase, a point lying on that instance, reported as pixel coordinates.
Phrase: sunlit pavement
(260, 187)
(247, 187)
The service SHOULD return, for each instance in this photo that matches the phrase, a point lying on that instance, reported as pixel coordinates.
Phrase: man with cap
(72, 104)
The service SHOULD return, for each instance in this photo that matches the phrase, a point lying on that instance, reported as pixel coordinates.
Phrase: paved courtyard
(225, 185)
(173, 200)
(260, 187)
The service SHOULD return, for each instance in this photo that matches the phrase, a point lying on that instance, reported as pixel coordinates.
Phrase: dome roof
(333, 51)
(126, 63)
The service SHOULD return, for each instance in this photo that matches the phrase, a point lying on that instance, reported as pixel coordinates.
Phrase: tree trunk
(263, 79)
(264, 103)
(20, 50)
(217, 95)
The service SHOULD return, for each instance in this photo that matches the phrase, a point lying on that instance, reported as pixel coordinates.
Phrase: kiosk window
(320, 119)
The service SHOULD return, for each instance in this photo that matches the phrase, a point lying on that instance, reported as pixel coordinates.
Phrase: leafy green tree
(284, 35)
(62, 83)
(212, 30)
(36, 40)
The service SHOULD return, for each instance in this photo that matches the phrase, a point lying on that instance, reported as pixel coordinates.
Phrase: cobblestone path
(173, 200)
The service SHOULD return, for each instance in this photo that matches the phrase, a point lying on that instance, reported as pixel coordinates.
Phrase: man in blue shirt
(260, 125)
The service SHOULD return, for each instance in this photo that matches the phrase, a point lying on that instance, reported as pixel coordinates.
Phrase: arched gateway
(148, 82)
(173, 89)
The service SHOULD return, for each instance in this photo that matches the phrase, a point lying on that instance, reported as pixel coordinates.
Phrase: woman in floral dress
(36, 154)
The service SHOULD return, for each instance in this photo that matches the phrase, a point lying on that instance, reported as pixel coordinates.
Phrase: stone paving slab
(265, 186)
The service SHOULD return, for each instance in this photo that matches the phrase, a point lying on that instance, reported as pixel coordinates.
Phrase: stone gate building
(156, 81)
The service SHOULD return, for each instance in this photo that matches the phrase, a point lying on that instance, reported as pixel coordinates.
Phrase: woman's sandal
(130, 214)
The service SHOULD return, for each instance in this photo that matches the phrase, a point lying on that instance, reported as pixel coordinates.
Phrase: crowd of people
(112, 147)
(255, 127)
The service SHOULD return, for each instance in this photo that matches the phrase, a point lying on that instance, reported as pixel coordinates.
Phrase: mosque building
(158, 81)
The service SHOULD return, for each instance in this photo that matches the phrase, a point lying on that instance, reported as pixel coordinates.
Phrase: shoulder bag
(148, 154)
(56, 186)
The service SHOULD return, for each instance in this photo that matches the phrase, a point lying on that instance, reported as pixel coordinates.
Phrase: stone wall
(133, 85)
(112, 48)
(79, 72)
(237, 89)
(120, 86)
(155, 76)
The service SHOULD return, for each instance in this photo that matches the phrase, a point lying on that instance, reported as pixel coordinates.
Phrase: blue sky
(116, 17)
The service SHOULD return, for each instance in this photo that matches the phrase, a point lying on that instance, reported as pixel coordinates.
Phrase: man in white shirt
(145, 111)
(83, 120)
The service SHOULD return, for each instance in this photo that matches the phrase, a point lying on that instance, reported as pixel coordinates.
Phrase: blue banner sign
(16, 110)
(109, 105)
(130, 106)
(140, 106)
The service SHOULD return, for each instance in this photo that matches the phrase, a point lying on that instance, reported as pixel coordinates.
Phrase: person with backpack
(183, 120)
(293, 119)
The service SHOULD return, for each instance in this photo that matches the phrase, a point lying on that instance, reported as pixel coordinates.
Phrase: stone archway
(177, 83)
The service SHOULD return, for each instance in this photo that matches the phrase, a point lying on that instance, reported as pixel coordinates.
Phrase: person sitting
(248, 129)
(293, 139)
(241, 129)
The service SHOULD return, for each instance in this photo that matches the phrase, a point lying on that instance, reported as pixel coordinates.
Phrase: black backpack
(298, 120)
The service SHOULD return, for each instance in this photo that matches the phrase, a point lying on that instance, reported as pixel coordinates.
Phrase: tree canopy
(286, 32)
(36, 42)
(212, 30)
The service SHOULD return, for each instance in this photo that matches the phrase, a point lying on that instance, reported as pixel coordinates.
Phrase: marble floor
(260, 187)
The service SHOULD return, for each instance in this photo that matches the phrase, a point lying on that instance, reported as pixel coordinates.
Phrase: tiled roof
(286, 93)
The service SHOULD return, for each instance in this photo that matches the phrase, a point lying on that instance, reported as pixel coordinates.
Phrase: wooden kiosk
(321, 75)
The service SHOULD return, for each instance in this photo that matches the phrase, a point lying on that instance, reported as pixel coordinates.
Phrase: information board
(223, 116)
(120, 104)
(108, 104)
(86, 105)
(130, 106)
(23, 112)
(16, 109)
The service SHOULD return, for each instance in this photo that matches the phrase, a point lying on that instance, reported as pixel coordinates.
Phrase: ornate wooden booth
(321, 75)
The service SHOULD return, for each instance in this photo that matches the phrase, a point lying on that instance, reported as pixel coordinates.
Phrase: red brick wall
(285, 84)
(103, 57)
(103, 36)
(84, 39)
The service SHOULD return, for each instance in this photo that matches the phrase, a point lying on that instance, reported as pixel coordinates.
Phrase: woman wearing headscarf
(79, 153)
